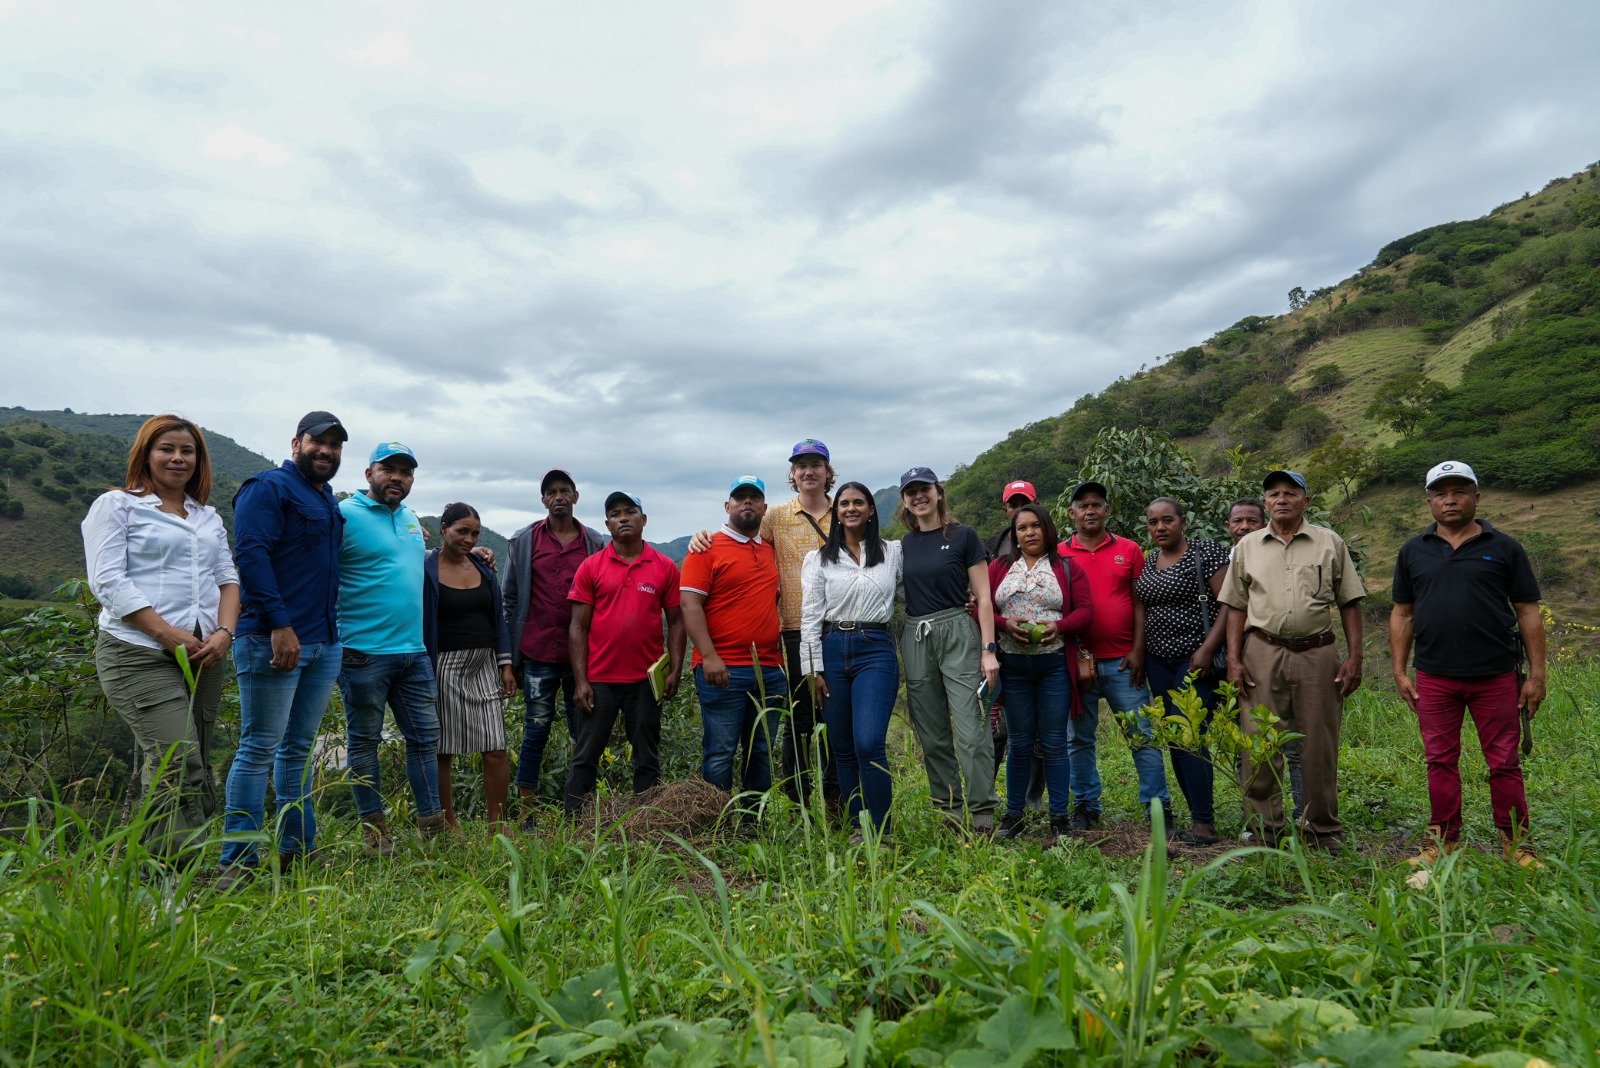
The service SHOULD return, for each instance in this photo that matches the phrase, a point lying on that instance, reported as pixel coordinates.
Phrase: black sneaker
(1083, 819)
(1012, 826)
(1060, 826)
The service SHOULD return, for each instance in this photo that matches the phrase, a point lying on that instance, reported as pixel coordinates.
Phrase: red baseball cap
(1019, 488)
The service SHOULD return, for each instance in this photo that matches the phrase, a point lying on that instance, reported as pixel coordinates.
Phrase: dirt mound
(688, 808)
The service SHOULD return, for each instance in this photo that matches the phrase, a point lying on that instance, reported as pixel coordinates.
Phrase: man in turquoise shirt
(380, 627)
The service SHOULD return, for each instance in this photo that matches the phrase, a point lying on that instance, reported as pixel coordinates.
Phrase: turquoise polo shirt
(380, 578)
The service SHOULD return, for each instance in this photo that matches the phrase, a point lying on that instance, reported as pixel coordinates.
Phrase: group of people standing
(790, 610)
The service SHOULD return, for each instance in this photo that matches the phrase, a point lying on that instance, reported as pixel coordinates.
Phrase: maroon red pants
(1493, 704)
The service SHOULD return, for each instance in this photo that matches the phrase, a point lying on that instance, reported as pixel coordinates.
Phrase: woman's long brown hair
(139, 480)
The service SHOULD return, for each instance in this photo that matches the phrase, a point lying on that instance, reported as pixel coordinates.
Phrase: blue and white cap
(386, 449)
(747, 480)
(1450, 469)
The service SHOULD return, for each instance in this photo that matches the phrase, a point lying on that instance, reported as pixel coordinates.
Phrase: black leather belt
(1295, 645)
(850, 624)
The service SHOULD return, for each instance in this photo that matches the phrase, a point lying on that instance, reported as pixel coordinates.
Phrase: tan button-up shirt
(789, 530)
(1291, 589)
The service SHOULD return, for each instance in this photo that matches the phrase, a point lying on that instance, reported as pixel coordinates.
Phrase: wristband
(228, 631)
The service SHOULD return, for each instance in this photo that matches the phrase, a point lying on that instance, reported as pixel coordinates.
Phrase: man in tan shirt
(1287, 581)
(793, 529)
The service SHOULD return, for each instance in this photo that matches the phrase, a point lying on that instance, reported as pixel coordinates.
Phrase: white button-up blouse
(843, 591)
(142, 557)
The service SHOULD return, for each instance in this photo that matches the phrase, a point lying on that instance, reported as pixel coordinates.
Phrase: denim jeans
(1038, 705)
(540, 681)
(279, 713)
(1115, 684)
(863, 678)
(404, 683)
(1196, 777)
(735, 716)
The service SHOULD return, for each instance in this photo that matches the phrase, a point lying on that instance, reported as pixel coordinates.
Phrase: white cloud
(234, 143)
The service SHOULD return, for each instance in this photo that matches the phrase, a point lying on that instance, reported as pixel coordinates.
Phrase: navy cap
(1089, 486)
(918, 474)
(747, 481)
(552, 475)
(808, 447)
(385, 449)
(616, 497)
(1274, 477)
(319, 423)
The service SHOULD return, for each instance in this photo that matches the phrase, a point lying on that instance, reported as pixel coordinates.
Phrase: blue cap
(808, 447)
(1278, 476)
(617, 497)
(919, 474)
(748, 480)
(386, 449)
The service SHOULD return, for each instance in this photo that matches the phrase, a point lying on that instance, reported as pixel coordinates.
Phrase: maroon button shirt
(544, 637)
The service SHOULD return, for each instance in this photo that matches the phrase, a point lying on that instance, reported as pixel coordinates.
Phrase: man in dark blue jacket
(288, 529)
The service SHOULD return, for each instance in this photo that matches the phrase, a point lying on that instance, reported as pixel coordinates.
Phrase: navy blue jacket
(430, 605)
(287, 534)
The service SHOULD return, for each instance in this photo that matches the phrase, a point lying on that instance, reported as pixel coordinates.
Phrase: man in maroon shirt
(540, 565)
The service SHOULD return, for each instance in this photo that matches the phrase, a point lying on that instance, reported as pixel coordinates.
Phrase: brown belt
(1295, 645)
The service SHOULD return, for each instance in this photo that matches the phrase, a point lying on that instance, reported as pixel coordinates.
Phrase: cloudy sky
(658, 243)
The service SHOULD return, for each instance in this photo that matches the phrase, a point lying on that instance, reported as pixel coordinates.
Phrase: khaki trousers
(147, 690)
(941, 654)
(1300, 688)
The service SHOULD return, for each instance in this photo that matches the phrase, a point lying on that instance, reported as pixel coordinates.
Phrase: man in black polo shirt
(1464, 592)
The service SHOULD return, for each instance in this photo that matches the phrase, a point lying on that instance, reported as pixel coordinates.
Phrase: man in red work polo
(619, 597)
(1112, 659)
(542, 559)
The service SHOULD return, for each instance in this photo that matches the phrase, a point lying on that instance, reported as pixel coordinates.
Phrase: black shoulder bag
(1219, 659)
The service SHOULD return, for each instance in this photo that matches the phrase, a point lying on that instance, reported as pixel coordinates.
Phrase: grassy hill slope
(1501, 314)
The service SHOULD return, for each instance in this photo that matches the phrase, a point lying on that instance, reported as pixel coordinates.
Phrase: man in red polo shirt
(730, 608)
(619, 596)
(1112, 660)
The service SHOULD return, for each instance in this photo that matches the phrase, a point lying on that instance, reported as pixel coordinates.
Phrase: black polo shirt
(1464, 624)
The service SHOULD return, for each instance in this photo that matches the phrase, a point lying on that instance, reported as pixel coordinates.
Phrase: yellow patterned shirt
(790, 531)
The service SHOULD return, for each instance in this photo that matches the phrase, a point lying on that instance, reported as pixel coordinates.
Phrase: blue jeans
(279, 713)
(863, 677)
(1115, 684)
(403, 682)
(540, 681)
(738, 716)
(1195, 775)
(1038, 705)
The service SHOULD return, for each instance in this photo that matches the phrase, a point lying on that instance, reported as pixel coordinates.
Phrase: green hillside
(1481, 338)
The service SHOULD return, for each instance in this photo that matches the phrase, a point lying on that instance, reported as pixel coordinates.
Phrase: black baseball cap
(1090, 486)
(319, 423)
(918, 474)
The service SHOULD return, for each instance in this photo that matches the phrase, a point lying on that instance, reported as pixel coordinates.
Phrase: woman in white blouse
(160, 567)
(849, 587)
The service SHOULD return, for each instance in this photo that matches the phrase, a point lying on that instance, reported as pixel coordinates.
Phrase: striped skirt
(472, 714)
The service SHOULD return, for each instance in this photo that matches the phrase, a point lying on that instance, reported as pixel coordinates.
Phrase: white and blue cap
(617, 498)
(1449, 469)
(747, 481)
(1285, 475)
(387, 449)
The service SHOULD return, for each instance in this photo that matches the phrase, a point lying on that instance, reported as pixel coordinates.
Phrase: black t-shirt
(466, 618)
(1464, 625)
(935, 566)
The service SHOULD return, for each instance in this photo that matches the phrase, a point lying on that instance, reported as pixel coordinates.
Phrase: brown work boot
(432, 826)
(375, 840)
(1434, 846)
(1519, 852)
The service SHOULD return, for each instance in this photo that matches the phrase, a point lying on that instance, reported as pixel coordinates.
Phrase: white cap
(1450, 469)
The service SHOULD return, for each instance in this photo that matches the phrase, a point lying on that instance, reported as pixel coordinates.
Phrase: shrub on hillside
(1305, 428)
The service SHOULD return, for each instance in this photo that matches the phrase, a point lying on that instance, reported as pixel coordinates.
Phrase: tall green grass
(791, 946)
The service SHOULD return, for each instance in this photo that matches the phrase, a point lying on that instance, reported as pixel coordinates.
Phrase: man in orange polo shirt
(1114, 653)
(730, 608)
(619, 597)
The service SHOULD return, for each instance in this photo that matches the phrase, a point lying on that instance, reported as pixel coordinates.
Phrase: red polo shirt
(628, 598)
(739, 579)
(1113, 567)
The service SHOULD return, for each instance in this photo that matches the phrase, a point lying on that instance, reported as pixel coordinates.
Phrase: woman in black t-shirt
(948, 656)
(465, 632)
(1183, 631)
